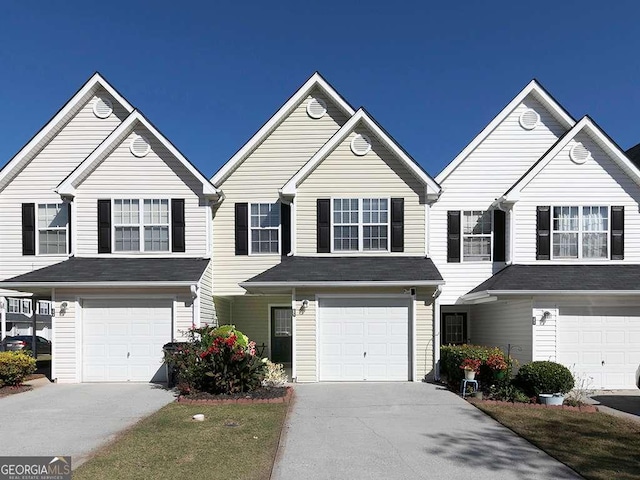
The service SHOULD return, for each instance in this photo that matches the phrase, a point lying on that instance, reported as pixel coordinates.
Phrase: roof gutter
(479, 297)
(147, 284)
(418, 283)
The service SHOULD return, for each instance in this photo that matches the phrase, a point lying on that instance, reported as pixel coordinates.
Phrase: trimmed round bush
(15, 367)
(544, 377)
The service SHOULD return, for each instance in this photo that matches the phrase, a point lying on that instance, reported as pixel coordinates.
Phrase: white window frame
(48, 307)
(476, 235)
(580, 232)
(250, 229)
(361, 226)
(47, 229)
(19, 306)
(140, 225)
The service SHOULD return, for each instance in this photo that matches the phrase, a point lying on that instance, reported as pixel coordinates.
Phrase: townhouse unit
(324, 241)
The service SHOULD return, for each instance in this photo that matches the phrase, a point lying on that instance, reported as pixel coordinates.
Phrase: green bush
(217, 360)
(508, 393)
(15, 367)
(544, 377)
(452, 357)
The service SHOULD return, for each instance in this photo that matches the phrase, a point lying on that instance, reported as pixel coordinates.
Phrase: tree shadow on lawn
(624, 403)
(496, 449)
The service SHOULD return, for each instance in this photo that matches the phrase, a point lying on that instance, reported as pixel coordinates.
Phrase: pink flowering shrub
(217, 360)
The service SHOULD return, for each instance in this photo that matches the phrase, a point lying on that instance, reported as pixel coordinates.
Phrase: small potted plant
(498, 365)
(471, 366)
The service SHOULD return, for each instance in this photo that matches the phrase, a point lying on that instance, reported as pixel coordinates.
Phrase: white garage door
(363, 339)
(123, 339)
(602, 342)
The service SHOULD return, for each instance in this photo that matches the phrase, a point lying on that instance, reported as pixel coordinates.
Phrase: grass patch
(596, 445)
(169, 445)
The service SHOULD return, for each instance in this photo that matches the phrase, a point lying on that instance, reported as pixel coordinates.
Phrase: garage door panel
(124, 342)
(380, 327)
(608, 349)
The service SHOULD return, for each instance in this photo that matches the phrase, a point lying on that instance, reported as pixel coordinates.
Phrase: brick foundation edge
(236, 401)
(584, 408)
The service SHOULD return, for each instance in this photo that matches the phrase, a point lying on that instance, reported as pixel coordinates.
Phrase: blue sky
(209, 74)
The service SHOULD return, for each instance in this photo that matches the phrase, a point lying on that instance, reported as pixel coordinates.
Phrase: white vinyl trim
(316, 80)
(359, 118)
(11, 285)
(533, 87)
(486, 294)
(68, 185)
(294, 335)
(423, 283)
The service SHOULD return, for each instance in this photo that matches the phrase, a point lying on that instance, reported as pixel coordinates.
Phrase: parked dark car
(23, 342)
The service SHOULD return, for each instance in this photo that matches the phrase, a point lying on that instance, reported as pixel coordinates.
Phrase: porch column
(3, 317)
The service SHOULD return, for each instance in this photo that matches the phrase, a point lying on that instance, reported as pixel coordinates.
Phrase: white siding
(37, 181)
(486, 174)
(544, 334)
(157, 175)
(500, 324)
(378, 174)
(599, 181)
(223, 310)
(259, 178)
(207, 308)
(183, 316)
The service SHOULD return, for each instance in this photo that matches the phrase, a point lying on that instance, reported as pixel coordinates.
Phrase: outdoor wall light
(63, 308)
(304, 305)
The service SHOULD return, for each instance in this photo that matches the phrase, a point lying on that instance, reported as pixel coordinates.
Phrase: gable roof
(69, 184)
(540, 93)
(315, 81)
(592, 129)
(361, 117)
(51, 128)
(633, 154)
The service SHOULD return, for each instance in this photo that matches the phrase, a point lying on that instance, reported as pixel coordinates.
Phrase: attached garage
(601, 344)
(122, 339)
(364, 339)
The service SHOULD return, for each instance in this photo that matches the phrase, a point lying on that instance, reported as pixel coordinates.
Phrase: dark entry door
(453, 330)
(281, 334)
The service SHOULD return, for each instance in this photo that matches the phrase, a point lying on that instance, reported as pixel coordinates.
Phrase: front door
(453, 330)
(281, 334)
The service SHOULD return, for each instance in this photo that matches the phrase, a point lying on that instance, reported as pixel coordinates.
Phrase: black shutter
(453, 236)
(323, 219)
(69, 226)
(242, 228)
(617, 233)
(543, 234)
(499, 232)
(177, 225)
(104, 226)
(285, 220)
(397, 224)
(28, 229)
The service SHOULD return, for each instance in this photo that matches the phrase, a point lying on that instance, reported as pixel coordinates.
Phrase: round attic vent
(529, 119)
(102, 107)
(316, 107)
(360, 144)
(579, 153)
(139, 146)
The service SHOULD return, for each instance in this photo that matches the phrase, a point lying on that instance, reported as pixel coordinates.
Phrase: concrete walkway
(74, 419)
(401, 431)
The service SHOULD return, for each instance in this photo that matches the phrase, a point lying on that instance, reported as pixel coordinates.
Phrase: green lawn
(596, 445)
(169, 445)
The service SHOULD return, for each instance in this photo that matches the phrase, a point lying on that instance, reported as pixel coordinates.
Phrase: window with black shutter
(453, 236)
(242, 228)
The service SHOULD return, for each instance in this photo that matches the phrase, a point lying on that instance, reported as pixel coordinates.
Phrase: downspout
(436, 332)
(3, 317)
(194, 296)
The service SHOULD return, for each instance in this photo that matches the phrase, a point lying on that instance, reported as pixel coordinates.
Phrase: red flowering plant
(497, 362)
(471, 364)
(218, 360)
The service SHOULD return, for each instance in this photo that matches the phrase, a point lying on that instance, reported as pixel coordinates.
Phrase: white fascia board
(67, 186)
(480, 297)
(532, 87)
(409, 283)
(92, 84)
(316, 80)
(359, 117)
(585, 124)
(148, 284)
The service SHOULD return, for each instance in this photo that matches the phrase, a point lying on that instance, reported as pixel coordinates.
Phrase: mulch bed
(9, 390)
(582, 408)
(35, 376)
(261, 395)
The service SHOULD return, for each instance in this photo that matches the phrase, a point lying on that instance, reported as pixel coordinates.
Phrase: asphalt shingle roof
(350, 269)
(93, 270)
(563, 277)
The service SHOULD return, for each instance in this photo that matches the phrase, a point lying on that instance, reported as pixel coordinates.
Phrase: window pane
(52, 242)
(345, 238)
(565, 245)
(565, 219)
(374, 237)
(477, 222)
(476, 249)
(595, 219)
(594, 245)
(156, 239)
(127, 239)
(52, 215)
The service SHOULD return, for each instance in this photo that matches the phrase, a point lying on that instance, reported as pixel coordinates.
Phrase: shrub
(15, 367)
(544, 377)
(497, 362)
(217, 360)
(274, 375)
(452, 356)
(508, 393)
(471, 364)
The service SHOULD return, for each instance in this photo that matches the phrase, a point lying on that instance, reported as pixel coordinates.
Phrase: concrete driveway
(401, 431)
(74, 419)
